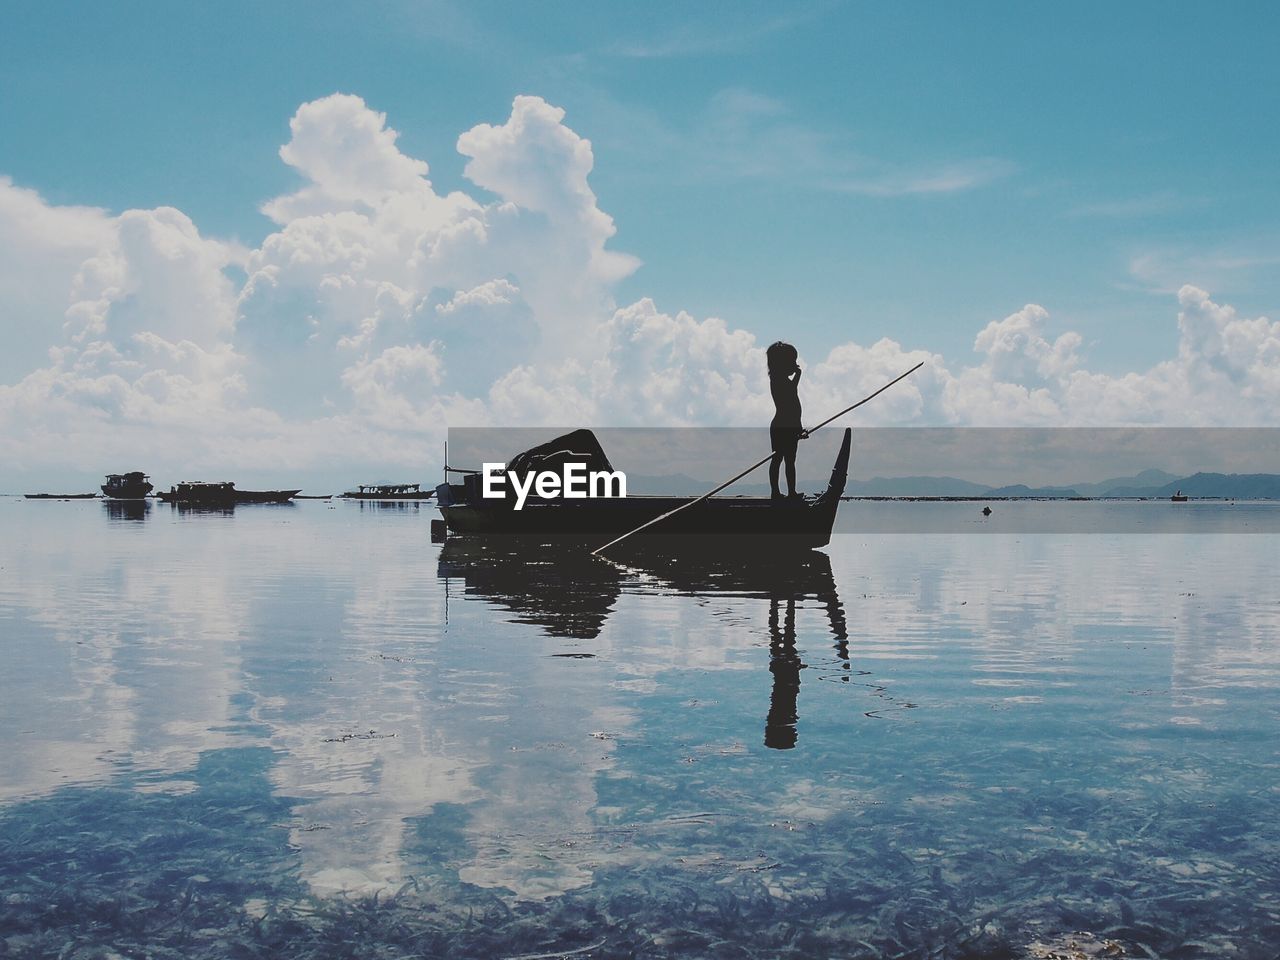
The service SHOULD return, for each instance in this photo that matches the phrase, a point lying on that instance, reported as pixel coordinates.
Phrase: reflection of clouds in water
(346, 686)
(331, 626)
(1226, 635)
(400, 713)
(1037, 611)
(123, 660)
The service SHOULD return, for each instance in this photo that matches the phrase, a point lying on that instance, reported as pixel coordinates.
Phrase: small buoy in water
(986, 511)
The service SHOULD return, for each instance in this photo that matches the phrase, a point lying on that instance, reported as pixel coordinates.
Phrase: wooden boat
(127, 486)
(1179, 497)
(223, 494)
(197, 493)
(389, 491)
(799, 523)
(61, 496)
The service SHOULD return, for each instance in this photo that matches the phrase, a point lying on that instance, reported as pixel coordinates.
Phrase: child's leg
(791, 472)
(774, 464)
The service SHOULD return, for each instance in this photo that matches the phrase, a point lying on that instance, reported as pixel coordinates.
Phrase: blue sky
(759, 159)
(217, 246)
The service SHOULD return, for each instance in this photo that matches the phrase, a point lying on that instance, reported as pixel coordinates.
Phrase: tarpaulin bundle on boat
(578, 446)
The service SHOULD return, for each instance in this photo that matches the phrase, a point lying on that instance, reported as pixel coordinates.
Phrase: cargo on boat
(750, 523)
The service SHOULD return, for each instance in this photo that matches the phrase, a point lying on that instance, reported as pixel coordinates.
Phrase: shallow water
(306, 731)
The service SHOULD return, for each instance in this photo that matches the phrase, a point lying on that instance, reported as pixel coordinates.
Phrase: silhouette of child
(786, 430)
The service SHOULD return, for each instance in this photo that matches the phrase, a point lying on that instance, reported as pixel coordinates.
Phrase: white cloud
(367, 170)
(486, 295)
(42, 248)
(380, 311)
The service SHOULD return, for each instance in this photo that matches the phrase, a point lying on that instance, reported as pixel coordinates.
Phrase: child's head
(782, 357)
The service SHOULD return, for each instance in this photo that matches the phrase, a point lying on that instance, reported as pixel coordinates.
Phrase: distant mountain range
(1149, 483)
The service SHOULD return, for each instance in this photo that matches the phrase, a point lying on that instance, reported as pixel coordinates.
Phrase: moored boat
(127, 486)
(199, 493)
(61, 496)
(389, 491)
(265, 496)
(1179, 497)
(738, 523)
(221, 494)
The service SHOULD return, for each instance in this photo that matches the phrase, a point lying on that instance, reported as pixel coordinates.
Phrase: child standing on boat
(786, 430)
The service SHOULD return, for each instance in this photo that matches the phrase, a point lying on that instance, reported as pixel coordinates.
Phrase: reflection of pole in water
(839, 627)
(784, 663)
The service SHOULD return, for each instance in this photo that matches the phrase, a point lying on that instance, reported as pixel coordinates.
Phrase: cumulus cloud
(366, 170)
(42, 250)
(379, 311)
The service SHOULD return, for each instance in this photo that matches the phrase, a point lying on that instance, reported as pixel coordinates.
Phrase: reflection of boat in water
(127, 486)
(558, 587)
(1179, 497)
(733, 523)
(224, 494)
(61, 496)
(561, 588)
(126, 509)
(389, 491)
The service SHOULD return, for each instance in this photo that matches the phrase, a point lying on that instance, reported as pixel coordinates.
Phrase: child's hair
(781, 356)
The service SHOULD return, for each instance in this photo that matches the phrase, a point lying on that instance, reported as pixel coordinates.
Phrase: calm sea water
(306, 731)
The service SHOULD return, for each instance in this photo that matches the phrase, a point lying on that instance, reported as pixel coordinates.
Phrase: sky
(299, 241)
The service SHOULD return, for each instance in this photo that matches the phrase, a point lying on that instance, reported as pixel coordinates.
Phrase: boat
(796, 523)
(61, 496)
(265, 496)
(127, 486)
(1179, 497)
(221, 494)
(389, 491)
(197, 493)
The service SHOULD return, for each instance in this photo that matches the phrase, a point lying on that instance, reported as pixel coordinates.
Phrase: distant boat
(389, 491)
(61, 496)
(1179, 497)
(127, 486)
(222, 494)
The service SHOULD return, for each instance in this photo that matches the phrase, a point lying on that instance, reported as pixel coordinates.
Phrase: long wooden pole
(755, 466)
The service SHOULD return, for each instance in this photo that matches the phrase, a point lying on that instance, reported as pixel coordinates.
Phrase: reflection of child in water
(786, 430)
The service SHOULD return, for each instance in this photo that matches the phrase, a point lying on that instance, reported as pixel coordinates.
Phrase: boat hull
(265, 496)
(227, 499)
(389, 497)
(795, 524)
